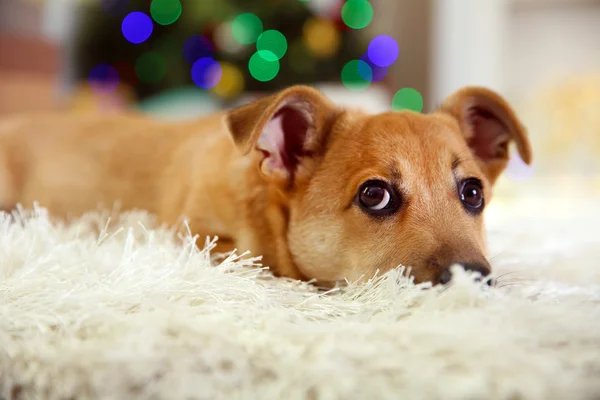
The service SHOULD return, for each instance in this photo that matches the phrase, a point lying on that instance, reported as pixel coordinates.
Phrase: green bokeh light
(272, 41)
(407, 99)
(150, 67)
(357, 14)
(165, 12)
(263, 66)
(356, 75)
(246, 28)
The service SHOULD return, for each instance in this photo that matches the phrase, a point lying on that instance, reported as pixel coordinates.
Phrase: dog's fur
(285, 187)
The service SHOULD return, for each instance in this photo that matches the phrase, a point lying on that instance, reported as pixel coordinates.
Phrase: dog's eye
(471, 195)
(377, 198)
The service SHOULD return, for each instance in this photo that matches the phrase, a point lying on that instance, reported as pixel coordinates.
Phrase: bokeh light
(231, 83)
(103, 79)
(206, 72)
(246, 28)
(263, 66)
(165, 12)
(272, 41)
(335, 16)
(224, 39)
(321, 37)
(407, 99)
(208, 30)
(357, 75)
(181, 102)
(196, 47)
(116, 8)
(377, 73)
(383, 51)
(150, 67)
(517, 170)
(137, 27)
(357, 14)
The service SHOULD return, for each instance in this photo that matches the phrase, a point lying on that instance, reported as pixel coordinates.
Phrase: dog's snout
(446, 273)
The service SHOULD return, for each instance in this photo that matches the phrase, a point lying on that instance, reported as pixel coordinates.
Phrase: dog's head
(372, 192)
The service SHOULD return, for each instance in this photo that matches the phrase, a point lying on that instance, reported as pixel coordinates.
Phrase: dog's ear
(286, 128)
(488, 125)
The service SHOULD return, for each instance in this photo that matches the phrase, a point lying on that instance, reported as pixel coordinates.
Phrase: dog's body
(74, 164)
(290, 186)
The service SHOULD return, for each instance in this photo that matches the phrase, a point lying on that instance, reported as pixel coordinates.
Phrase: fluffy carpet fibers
(130, 314)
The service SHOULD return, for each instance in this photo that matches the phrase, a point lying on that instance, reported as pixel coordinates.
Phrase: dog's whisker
(492, 258)
(446, 287)
(508, 273)
(513, 276)
(512, 285)
(521, 281)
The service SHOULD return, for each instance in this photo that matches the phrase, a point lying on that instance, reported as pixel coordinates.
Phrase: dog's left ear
(488, 125)
(286, 130)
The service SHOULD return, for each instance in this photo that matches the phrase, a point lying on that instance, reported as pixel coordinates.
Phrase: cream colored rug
(128, 314)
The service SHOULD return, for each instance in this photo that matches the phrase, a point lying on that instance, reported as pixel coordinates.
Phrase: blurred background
(185, 58)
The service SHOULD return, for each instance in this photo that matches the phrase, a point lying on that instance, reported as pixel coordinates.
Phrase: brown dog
(320, 192)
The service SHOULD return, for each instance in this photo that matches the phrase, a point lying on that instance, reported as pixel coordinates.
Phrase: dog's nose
(483, 269)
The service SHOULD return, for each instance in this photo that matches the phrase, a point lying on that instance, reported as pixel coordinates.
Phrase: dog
(322, 193)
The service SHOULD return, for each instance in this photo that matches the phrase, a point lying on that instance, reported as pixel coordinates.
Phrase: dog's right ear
(287, 128)
(488, 125)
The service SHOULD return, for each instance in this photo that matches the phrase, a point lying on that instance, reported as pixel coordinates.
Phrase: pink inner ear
(272, 142)
(490, 137)
(283, 138)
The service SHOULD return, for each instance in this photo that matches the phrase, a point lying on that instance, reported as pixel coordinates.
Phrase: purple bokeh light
(137, 27)
(383, 51)
(206, 72)
(517, 170)
(378, 73)
(103, 79)
(196, 47)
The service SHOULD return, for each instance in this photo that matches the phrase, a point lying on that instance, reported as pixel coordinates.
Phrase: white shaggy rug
(128, 314)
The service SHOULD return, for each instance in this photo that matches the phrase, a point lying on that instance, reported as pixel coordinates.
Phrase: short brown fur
(297, 209)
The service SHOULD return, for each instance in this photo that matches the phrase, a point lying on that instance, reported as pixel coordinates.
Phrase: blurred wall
(29, 61)
(22, 17)
(467, 45)
(409, 23)
(549, 41)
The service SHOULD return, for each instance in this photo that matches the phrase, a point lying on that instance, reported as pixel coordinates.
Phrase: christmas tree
(227, 47)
